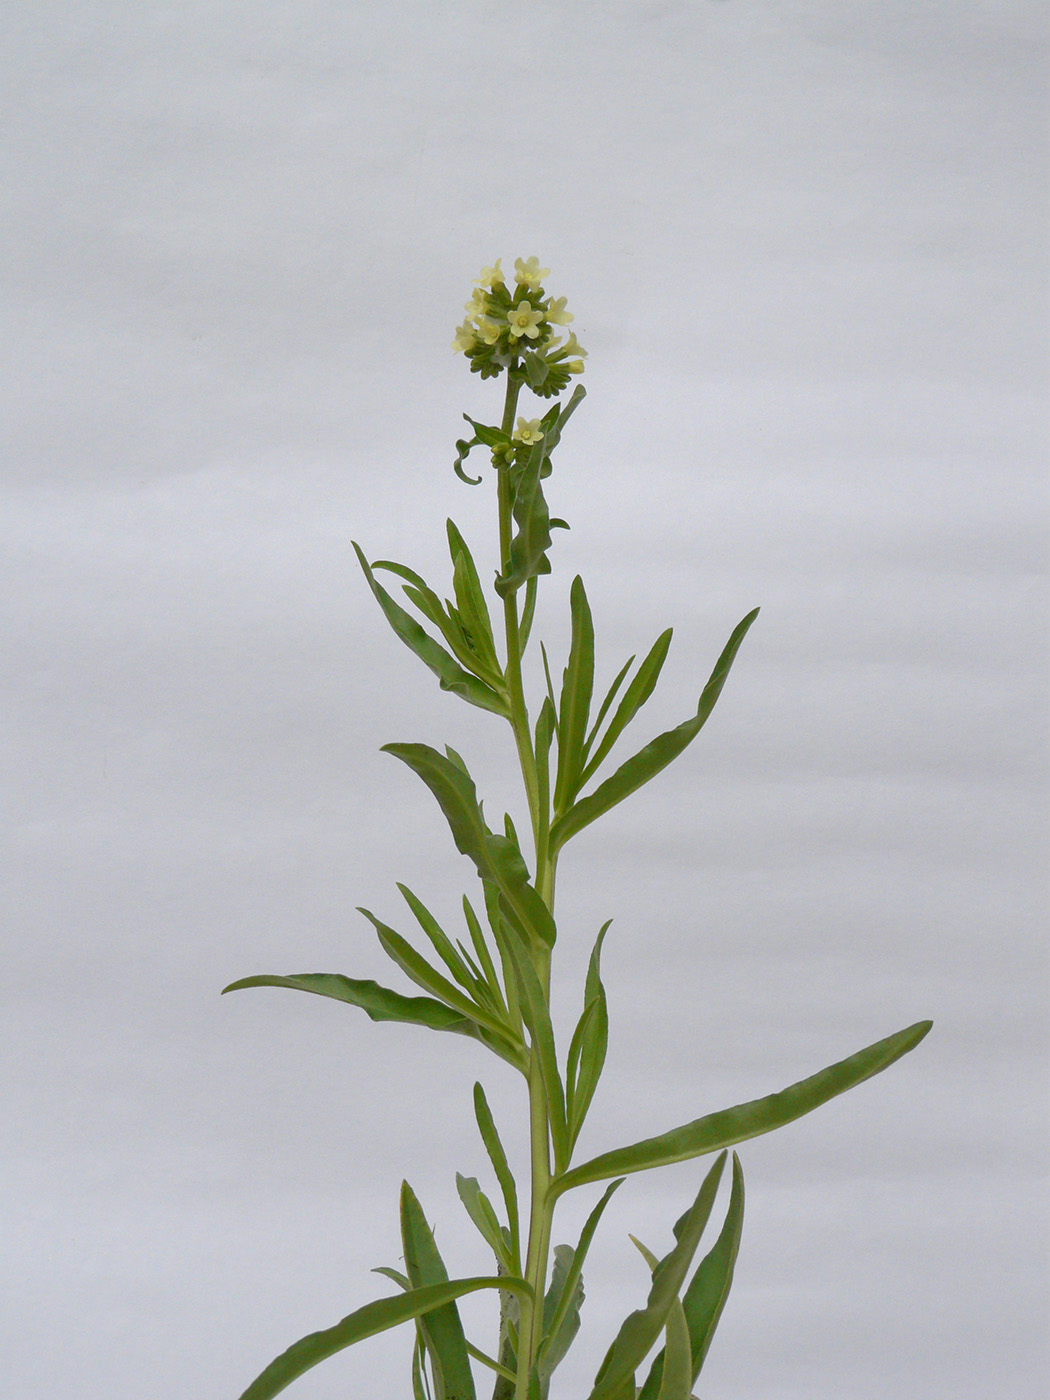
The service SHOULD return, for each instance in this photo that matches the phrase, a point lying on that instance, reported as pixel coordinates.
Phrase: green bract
(495, 986)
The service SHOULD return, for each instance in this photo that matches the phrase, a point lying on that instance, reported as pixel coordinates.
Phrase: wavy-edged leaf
(529, 544)
(576, 690)
(498, 1157)
(746, 1120)
(560, 1302)
(442, 1330)
(574, 1275)
(637, 693)
(641, 1328)
(496, 858)
(451, 676)
(379, 1003)
(655, 756)
(374, 1317)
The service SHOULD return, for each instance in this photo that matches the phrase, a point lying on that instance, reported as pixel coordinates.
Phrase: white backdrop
(805, 246)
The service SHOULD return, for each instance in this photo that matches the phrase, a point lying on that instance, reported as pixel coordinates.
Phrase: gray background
(805, 245)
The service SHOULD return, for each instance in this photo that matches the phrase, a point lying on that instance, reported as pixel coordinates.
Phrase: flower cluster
(514, 329)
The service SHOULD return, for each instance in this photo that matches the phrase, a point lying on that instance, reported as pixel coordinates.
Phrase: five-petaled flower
(528, 431)
(464, 338)
(491, 276)
(556, 313)
(529, 274)
(524, 319)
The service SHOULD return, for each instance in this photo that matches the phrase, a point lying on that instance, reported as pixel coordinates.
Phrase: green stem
(541, 1207)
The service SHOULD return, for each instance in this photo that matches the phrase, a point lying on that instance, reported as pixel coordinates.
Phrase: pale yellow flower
(524, 319)
(573, 347)
(464, 339)
(491, 276)
(528, 431)
(556, 312)
(529, 274)
(478, 303)
(489, 331)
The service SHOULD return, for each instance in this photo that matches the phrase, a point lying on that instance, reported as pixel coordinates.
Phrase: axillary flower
(528, 431)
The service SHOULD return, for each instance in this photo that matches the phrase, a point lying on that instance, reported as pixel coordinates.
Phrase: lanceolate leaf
(451, 676)
(641, 1328)
(495, 857)
(374, 1317)
(746, 1120)
(579, 1254)
(635, 696)
(577, 686)
(442, 1329)
(590, 1042)
(676, 1374)
(494, 1147)
(537, 1018)
(706, 1295)
(380, 1003)
(470, 599)
(655, 756)
(479, 1208)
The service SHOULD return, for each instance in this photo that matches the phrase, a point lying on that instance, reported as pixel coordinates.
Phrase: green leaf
(415, 966)
(451, 676)
(528, 614)
(538, 1019)
(655, 756)
(442, 944)
(563, 1304)
(496, 858)
(574, 1275)
(494, 1147)
(635, 696)
(610, 696)
(442, 1330)
(589, 1044)
(577, 686)
(480, 1209)
(374, 1317)
(380, 1003)
(546, 723)
(646, 1253)
(470, 600)
(641, 1328)
(488, 970)
(747, 1120)
(528, 547)
(676, 1380)
(706, 1295)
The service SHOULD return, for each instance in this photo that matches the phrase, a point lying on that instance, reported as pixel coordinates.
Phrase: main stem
(531, 1314)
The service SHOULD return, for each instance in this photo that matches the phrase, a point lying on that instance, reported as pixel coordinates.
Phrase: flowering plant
(497, 990)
